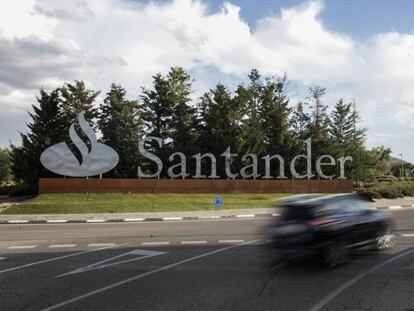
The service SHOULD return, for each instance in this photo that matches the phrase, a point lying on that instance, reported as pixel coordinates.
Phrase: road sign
(218, 202)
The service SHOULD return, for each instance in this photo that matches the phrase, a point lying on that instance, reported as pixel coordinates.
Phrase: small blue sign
(218, 202)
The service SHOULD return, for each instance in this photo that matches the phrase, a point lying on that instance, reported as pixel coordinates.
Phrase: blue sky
(359, 50)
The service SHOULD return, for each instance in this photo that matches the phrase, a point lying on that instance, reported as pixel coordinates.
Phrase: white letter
(319, 164)
(182, 165)
(227, 157)
(267, 159)
(308, 158)
(243, 171)
(342, 161)
(149, 155)
(198, 158)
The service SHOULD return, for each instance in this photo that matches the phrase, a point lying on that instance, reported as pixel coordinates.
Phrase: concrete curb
(130, 220)
(119, 219)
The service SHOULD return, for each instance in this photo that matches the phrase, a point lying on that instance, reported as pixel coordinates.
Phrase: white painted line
(143, 254)
(134, 219)
(395, 207)
(58, 258)
(140, 276)
(101, 244)
(2, 258)
(193, 242)
(62, 245)
(172, 218)
(231, 241)
(274, 215)
(17, 221)
(245, 216)
(21, 246)
(322, 303)
(209, 217)
(412, 205)
(95, 220)
(53, 221)
(155, 243)
(407, 235)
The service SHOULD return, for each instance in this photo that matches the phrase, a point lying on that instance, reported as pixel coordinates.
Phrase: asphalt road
(190, 265)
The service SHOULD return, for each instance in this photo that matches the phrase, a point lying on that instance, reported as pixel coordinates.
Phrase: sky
(360, 51)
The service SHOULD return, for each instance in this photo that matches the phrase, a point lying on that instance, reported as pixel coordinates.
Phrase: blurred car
(327, 227)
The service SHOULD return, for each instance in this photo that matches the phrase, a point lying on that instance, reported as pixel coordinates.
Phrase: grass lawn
(135, 203)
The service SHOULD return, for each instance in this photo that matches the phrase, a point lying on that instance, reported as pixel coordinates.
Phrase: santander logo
(96, 159)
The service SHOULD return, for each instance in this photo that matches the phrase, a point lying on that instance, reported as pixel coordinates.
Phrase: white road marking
(193, 242)
(62, 245)
(140, 276)
(2, 258)
(172, 218)
(274, 215)
(245, 216)
(407, 235)
(395, 207)
(56, 221)
(231, 241)
(322, 303)
(155, 243)
(95, 220)
(21, 246)
(57, 258)
(17, 221)
(104, 263)
(134, 219)
(100, 244)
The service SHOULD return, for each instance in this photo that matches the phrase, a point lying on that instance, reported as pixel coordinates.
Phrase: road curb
(18, 221)
(130, 220)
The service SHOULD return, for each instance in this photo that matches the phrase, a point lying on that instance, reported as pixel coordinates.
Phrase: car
(327, 227)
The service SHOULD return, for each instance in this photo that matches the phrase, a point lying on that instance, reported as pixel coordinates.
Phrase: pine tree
(300, 123)
(122, 127)
(220, 124)
(5, 166)
(76, 98)
(168, 113)
(46, 128)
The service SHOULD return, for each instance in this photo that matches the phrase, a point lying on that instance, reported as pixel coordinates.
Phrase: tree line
(256, 117)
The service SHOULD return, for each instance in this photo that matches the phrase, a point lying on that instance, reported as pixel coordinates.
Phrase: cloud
(124, 41)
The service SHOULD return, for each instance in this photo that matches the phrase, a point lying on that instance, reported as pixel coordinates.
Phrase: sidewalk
(407, 202)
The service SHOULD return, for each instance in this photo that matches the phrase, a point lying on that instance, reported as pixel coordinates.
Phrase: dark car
(328, 227)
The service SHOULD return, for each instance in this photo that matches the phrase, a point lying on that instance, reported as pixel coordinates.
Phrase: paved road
(200, 265)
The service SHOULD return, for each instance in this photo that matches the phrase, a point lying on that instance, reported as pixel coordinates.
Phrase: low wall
(92, 185)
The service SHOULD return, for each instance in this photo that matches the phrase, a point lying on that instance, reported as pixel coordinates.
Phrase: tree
(46, 128)
(249, 98)
(347, 139)
(300, 122)
(168, 113)
(5, 166)
(76, 98)
(220, 117)
(122, 127)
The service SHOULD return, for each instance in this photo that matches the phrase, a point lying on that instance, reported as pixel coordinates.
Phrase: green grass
(135, 203)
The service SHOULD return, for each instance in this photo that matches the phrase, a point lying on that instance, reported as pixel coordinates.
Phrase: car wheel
(384, 240)
(335, 255)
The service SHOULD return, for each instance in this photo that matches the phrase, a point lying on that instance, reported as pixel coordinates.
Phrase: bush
(5, 190)
(23, 189)
(388, 190)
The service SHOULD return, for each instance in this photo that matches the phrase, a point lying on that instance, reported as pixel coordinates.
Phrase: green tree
(5, 166)
(220, 124)
(76, 98)
(46, 129)
(122, 127)
(167, 113)
(300, 122)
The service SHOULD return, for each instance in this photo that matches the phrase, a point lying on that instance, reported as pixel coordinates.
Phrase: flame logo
(98, 160)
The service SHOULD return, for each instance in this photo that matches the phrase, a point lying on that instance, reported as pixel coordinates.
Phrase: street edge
(166, 219)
